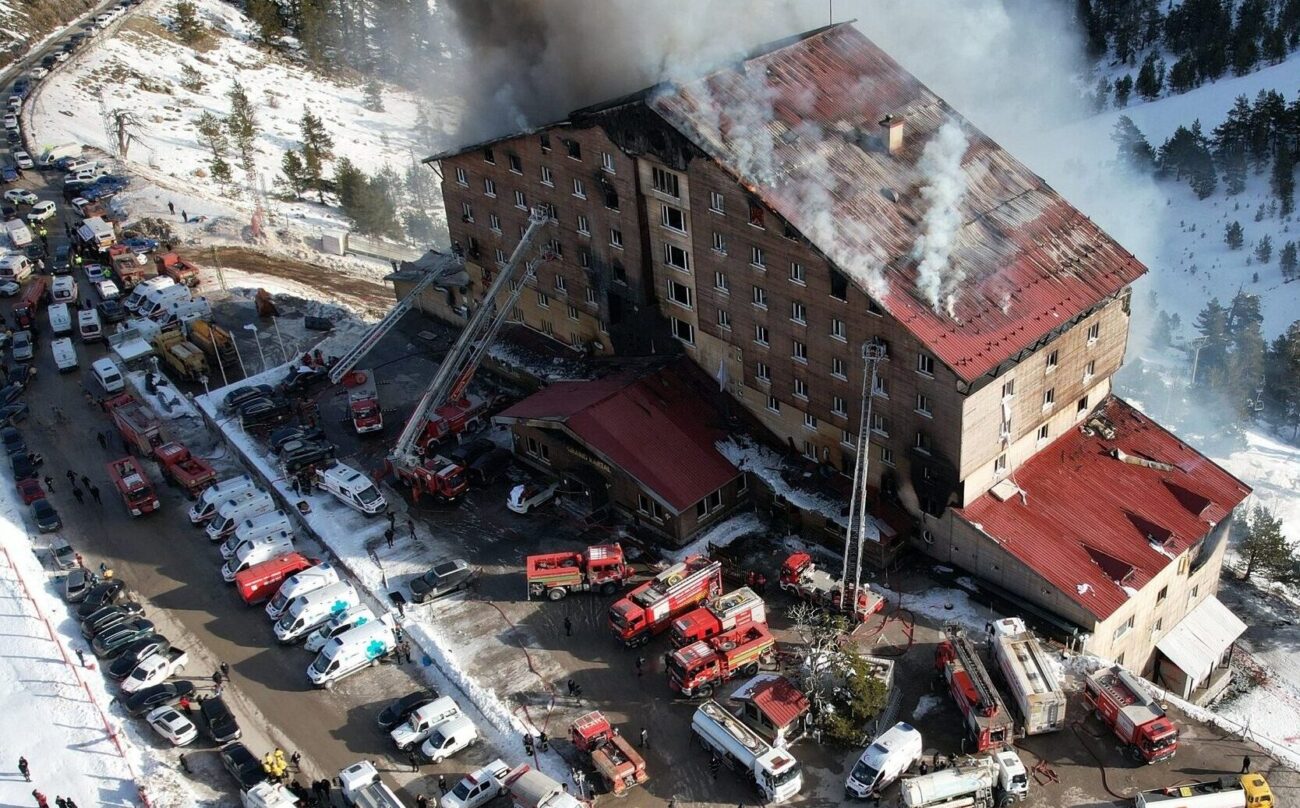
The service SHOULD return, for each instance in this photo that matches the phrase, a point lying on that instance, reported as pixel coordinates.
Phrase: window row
(571, 147)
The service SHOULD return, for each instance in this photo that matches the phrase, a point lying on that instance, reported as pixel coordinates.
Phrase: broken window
(673, 218)
(665, 182)
(516, 165)
(676, 257)
(922, 443)
(789, 232)
(683, 330)
(840, 286)
(756, 214)
(611, 199)
(489, 157)
(545, 140)
(574, 148)
(679, 293)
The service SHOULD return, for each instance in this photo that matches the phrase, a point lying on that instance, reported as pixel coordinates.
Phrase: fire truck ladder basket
(964, 651)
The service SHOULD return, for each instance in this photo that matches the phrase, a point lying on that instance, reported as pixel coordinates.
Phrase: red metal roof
(798, 126)
(655, 428)
(780, 701)
(1103, 513)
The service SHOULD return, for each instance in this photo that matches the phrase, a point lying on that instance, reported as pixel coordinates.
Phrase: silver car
(65, 558)
(22, 346)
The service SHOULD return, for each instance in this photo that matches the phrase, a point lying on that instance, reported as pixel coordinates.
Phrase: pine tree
(295, 175)
(1182, 76)
(1149, 80)
(211, 134)
(1282, 379)
(1133, 149)
(241, 123)
(374, 96)
(349, 184)
(317, 150)
(1274, 45)
(1245, 372)
(1264, 545)
(1283, 177)
(265, 14)
(1264, 250)
(1211, 360)
(1252, 21)
(1123, 88)
(188, 27)
(1287, 260)
(1234, 237)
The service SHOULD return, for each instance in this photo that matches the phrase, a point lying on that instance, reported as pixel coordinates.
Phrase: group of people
(42, 801)
(276, 765)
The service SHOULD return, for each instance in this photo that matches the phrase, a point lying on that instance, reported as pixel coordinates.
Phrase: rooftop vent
(893, 126)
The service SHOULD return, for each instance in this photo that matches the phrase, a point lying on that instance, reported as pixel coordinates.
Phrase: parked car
(524, 498)
(24, 467)
(15, 412)
(10, 393)
(136, 245)
(42, 211)
(301, 380)
(237, 398)
(23, 159)
(62, 554)
(398, 710)
(76, 585)
(22, 346)
(42, 70)
(21, 196)
(111, 311)
(114, 639)
(108, 290)
(298, 455)
(9, 288)
(469, 451)
(101, 594)
(282, 436)
(46, 517)
(30, 490)
(62, 259)
(139, 703)
(13, 441)
(134, 654)
(218, 722)
(10, 174)
(170, 724)
(96, 273)
(490, 467)
(154, 669)
(242, 764)
(443, 579)
(105, 617)
(264, 412)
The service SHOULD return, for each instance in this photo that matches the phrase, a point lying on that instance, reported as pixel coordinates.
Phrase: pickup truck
(154, 670)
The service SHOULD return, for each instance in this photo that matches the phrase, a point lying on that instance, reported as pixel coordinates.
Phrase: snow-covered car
(176, 728)
(23, 159)
(155, 669)
(108, 290)
(242, 765)
(478, 787)
(523, 498)
(445, 578)
(96, 273)
(9, 288)
(21, 196)
(42, 211)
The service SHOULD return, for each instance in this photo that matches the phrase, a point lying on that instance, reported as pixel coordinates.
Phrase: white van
(65, 355)
(154, 304)
(448, 738)
(15, 267)
(63, 289)
(234, 511)
(251, 553)
(235, 547)
(260, 526)
(885, 760)
(416, 728)
(60, 318)
(354, 649)
(133, 300)
(19, 234)
(89, 326)
(214, 495)
(356, 616)
(352, 488)
(309, 580)
(108, 376)
(308, 612)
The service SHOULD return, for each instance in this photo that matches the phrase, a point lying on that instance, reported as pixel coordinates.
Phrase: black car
(261, 413)
(10, 392)
(46, 516)
(296, 457)
(121, 667)
(303, 380)
(24, 468)
(111, 311)
(285, 434)
(106, 616)
(469, 451)
(113, 640)
(101, 594)
(76, 585)
(142, 701)
(11, 414)
(218, 722)
(49, 62)
(445, 578)
(62, 262)
(13, 441)
(8, 212)
(398, 710)
(490, 467)
(237, 398)
(242, 764)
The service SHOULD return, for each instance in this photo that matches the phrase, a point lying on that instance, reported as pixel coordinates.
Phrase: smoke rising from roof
(938, 279)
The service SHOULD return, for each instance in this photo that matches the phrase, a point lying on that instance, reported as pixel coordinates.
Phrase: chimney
(893, 125)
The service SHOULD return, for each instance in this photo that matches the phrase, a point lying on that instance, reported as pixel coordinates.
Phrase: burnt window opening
(516, 164)
(756, 214)
(789, 232)
(611, 199)
(545, 140)
(620, 274)
(474, 251)
(574, 148)
(839, 285)
(489, 157)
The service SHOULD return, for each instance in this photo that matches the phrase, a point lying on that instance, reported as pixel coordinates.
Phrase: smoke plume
(938, 279)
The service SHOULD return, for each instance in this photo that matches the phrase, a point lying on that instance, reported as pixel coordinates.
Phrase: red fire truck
(555, 575)
(363, 401)
(801, 577)
(178, 269)
(650, 608)
(133, 486)
(732, 610)
(29, 305)
(136, 423)
(613, 757)
(190, 472)
(987, 719)
(1126, 707)
(700, 667)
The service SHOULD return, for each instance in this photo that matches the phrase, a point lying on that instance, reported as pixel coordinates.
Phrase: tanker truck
(774, 772)
(995, 780)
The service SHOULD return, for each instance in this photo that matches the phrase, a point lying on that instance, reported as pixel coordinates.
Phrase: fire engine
(732, 610)
(187, 470)
(650, 608)
(987, 720)
(617, 762)
(135, 422)
(29, 305)
(1124, 705)
(801, 577)
(699, 667)
(554, 575)
(363, 401)
(133, 486)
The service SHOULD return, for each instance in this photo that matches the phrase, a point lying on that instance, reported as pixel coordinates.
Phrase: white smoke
(938, 278)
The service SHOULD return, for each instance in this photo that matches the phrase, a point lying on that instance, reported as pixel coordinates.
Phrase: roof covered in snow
(1107, 506)
(656, 428)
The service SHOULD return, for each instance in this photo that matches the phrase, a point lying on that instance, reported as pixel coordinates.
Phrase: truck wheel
(750, 669)
(608, 588)
(557, 593)
(704, 691)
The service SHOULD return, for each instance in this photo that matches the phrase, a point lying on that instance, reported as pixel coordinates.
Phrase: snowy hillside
(23, 23)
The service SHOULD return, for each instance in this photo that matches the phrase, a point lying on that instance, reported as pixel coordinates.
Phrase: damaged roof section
(1094, 523)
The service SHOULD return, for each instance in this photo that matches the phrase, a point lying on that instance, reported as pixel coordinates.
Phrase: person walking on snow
(171, 208)
(24, 769)
(94, 494)
(85, 481)
(80, 495)
(41, 800)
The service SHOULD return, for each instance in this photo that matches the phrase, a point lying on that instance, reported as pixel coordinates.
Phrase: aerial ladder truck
(445, 408)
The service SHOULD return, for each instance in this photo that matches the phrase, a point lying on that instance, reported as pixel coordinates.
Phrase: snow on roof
(1100, 516)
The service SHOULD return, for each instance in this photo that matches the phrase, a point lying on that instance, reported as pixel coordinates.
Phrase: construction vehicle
(447, 408)
(1123, 704)
(133, 486)
(362, 787)
(554, 575)
(986, 717)
(363, 401)
(801, 577)
(700, 667)
(178, 269)
(530, 788)
(180, 354)
(135, 422)
(216, 342)
(732, 610)
(1029, 676)
(126, 267)
(29, 306)
(650, 608)
(612, 756)
(190, 472)
(984, 782)
(775, 772)
(1233, 791)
